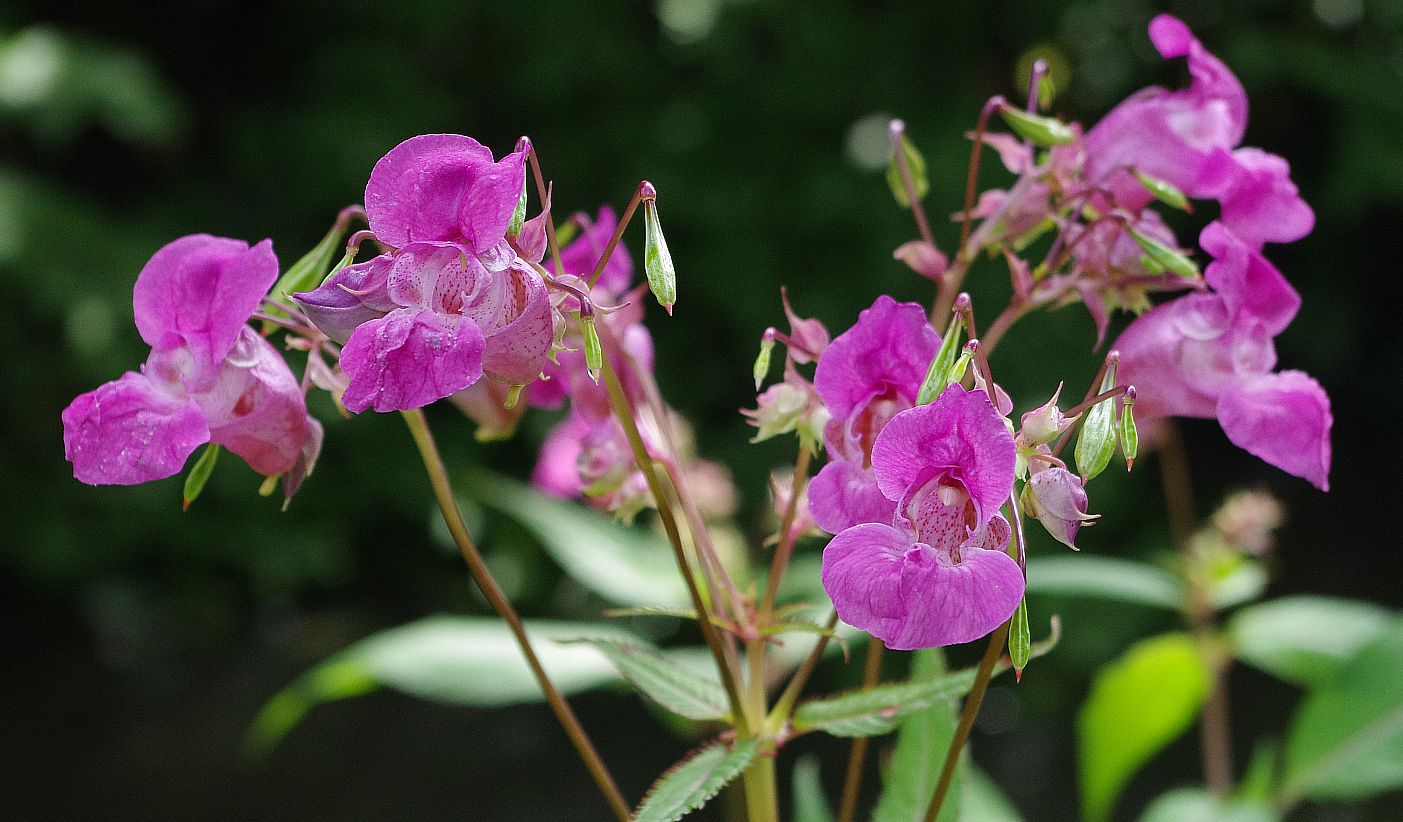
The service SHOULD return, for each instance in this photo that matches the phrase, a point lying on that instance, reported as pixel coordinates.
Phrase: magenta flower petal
(487, 209)
(1259, 202)
(130, 431)
(557, 466)
(354, 295)
(843, 495)
(514, 313)
(910, 596)
(891, 344)
(959, 433)
(198, 291)
(1285, 420)
(1174, 357)
(408, 359)
(582, 255)
(1246, 281)
(255, 407)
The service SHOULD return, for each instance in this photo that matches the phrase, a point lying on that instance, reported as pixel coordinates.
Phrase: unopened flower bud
(311, 269)
(1096, 443)
(1129, 435)
(657, 261)
(1044, 423)
(200, 473)
(923, 258)
(808, 337)
(519, 215)
(1043, 131)
(762, 360)
(1056, 498)
(938, 374)
(915, 167)
(594, 353)
(1165, 192)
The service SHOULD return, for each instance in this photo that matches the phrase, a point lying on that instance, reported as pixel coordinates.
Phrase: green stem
(852, 782)
(997, 640)
(453, 518)
(761, 798)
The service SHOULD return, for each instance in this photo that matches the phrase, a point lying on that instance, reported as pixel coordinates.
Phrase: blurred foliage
(141, 641)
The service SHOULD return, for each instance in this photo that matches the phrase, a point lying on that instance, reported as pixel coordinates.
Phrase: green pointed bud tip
(594, 353)
(1172, 260)
(1165, 192)
(1129, 434)
(1047, 90)
(938, 374)
(1020, 641)
(657, 260)
(1043, 131)
(762, 360)
(913, 179)
(199, 475)
(957, 371)
(513, 396)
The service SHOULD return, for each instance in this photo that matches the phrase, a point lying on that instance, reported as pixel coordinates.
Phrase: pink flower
(937, 574)
(209, 378)
(1211, 356)
(868, 375)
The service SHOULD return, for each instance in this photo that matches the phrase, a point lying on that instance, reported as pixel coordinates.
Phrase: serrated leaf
(921, 744)
(1197, 805)
(695, 780)
(1088, 575)
(1346, 740)
(675, 688)
(1138, 704)
(810, 802)
(456, 660)
(916, 165)
(627, 566)
(1304, 639)
(875, 711)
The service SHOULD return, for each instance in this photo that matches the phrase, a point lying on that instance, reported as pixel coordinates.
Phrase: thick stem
(997, 640)
(852, 782)
(761, 798)
(448, 505)
(784, 706)
(624, 413)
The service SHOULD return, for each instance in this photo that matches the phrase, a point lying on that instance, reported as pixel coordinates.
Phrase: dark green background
(138, 641)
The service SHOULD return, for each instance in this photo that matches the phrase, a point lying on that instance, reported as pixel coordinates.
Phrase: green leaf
(307, 273)
(810, 802)
(1088, 575)
(1304, 639)
(1346, 741)
(471, 661)
(875, 711)
(982, 800)
(675, 688)
(916, 165)
(921, 744)
(1138, 704)
(694, 780)
(1239, 580)
(627, 566)
(1019, 639)
(1197, 805)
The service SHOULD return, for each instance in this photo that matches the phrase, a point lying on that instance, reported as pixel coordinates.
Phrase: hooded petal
(354, 295)
(1246, 281)
(131, 431)
(843, 495)
(1259, 202)
(198, 291)
(892, 343)
(418, 190)
(960, 435)
(255, 407)
(407, 359)
(1179, 356)
(487, 210)
(1285, 420)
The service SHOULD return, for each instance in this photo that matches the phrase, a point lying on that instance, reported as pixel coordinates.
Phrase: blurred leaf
(458, 660)
(1197, 805)
(981, 798)
(694, 780)
(675, 688)
(1242, 581)
(875, 711)
(1138, 704)
(921, 744)
(1347, 739)
(1088, 575)
(810, 802)
(1304, 639)
(1259, 779)
(916, 165)
(629, 566)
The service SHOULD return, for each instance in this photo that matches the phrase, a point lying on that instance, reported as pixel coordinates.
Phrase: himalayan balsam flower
(452, 300)
(1211, 356)
(868, 375)
(937, 573)
(209, 378)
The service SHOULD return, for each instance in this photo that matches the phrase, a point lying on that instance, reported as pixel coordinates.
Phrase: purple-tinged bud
(1044, 423)
(922, 258)
(808, 337)
(791, 405)
(1056, 498)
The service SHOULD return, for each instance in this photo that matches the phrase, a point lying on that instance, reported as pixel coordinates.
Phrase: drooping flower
(868, 375)
(452, 300)
(936, 573)
(1056, 498)
(209, 377)
(1211, 356)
